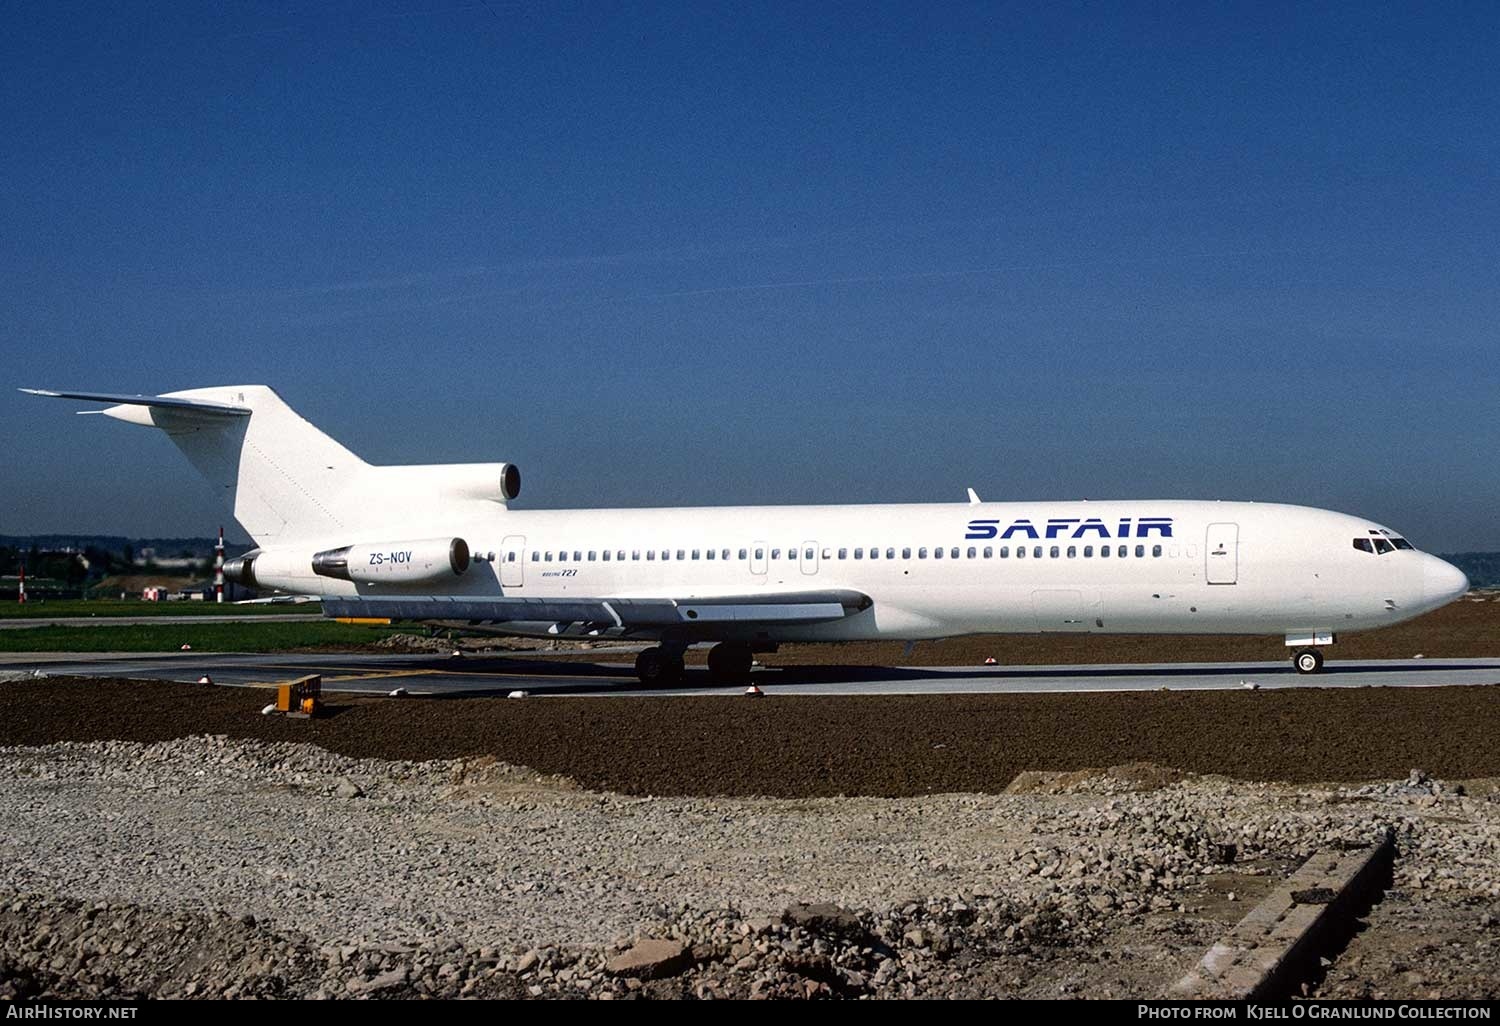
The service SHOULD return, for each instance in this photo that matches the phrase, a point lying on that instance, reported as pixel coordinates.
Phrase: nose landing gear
(1308, 660)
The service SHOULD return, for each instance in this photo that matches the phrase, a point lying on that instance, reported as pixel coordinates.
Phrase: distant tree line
(52, 571)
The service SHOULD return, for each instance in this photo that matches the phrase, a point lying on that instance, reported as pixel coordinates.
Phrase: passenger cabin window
(593, 555)
(695, 553)
(1005, 552)
(989, 552)
(937, 553)
(807, 553)
(973, 552)
(535, 556)
(922, 552)
(1155, 551)
(1072, 551)
(1123, 551)
(710, 553)
(1088, 552)
(843, 553)
(681, 554)
(1020, 552)
(953, 552)
(547, 558)
(651, 555)
(606, 555)
(578, 555)
(1104, 552)
(635, 554)
(1140, 550)
(860, 553)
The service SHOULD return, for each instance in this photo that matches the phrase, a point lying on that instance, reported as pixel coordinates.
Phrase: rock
(823, 917)
(385, 981)
(347, 788)
(650, 959)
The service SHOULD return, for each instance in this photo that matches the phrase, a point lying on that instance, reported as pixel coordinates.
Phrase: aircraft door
(513, 561)
(758, 560)
(1222, 554)
(809, 557)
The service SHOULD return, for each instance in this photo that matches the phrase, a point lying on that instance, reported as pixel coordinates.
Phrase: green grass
(134, 607)
(204, 637)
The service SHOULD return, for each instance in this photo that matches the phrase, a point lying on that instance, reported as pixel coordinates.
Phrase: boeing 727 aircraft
(438, 543)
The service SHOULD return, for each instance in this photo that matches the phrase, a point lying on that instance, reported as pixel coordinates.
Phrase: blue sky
(710, 253)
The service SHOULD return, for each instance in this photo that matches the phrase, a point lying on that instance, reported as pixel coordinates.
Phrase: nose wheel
(1308, 660)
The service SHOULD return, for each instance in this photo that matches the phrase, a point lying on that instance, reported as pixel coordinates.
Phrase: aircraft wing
(628, 613)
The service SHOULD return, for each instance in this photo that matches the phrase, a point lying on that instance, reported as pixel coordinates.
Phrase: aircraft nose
(1442, 582)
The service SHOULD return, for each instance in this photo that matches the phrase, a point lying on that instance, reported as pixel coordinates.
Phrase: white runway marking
(436, 674)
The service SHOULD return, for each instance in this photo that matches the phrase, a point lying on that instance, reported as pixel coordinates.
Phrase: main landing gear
(1308, 660)
(730, 662)
(661, 665)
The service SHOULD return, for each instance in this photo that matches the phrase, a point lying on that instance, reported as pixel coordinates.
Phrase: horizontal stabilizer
(160, 401)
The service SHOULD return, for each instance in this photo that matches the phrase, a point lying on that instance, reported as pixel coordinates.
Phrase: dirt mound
(1135, 776)
(806, 746)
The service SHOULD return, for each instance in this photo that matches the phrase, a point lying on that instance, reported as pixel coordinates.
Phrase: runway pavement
(612, 674)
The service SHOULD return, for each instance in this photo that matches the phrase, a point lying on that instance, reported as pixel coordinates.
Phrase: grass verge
(204, 637)
(134, 607)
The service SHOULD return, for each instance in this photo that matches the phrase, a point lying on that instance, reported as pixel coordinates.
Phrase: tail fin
(281, 476)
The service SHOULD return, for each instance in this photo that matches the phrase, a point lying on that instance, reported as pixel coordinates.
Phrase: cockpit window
(1381, 544)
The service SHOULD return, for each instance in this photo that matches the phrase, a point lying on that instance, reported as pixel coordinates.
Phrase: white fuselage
(399, 538)
(1172, 566)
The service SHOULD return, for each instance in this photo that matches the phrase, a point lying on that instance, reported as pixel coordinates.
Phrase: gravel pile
(805, 746)
(243, 867)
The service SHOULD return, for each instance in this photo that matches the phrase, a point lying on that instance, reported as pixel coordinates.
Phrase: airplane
(439, 544)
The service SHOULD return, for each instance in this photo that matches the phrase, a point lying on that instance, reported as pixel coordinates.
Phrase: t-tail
(284, 480)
